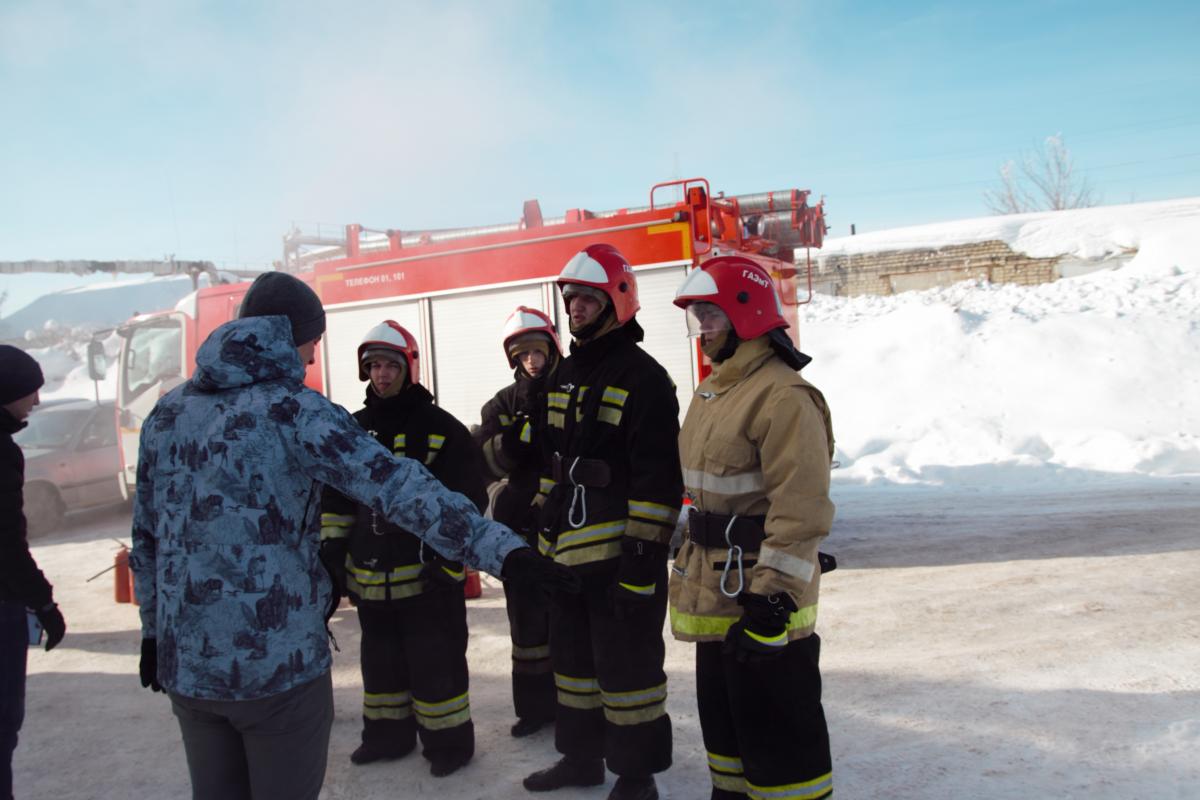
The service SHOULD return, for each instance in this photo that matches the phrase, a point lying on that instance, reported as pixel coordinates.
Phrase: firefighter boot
(527, 726)
(367, 752)
(444, 762)
(567, 771)
(627, 788)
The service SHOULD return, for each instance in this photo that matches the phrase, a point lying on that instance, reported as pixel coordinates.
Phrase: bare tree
(1044, 180)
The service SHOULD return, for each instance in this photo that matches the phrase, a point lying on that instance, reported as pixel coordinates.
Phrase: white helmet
(390, 338)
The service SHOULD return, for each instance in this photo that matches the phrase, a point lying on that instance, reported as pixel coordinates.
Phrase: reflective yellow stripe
(726, 773)
(807, 790)
(446, 714)
(545, 485)
(530, 653)
(591, 534)
(778, 640)
(650, 531)
(606, 414)
(337, 520)
(545, 546)
(334, 532)
(458, 575)
(558, 419)
(637, 697)
(436, 440)
(394, 591)
(398, 443)
(614, 395)
(558, 400)
(701, 625)
(728, 764)
(576, 684)
(395, 705)
(505, 420)
(526, 433)
(588, 555)
(581, 693)
(635, 716)
(643, 590)
(656, 512)
(728, 783)
(368, 577)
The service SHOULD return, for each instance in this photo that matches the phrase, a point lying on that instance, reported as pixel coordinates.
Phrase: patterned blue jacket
(226, 521)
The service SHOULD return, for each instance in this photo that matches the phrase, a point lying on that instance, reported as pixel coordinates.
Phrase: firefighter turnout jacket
(385, 562)
(610, 452)
(521, 403)
(756, 443)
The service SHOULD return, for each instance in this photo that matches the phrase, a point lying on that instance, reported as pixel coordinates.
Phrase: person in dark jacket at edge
(22, 584)
(614, 492)
(226, 536)
(755, 448)
(508, 439)
(410, 600)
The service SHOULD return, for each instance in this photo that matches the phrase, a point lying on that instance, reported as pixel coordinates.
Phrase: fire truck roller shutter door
(666, 333)
(466, 330)
(344, 330)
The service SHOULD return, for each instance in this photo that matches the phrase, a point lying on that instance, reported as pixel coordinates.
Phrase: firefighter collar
(745, 360)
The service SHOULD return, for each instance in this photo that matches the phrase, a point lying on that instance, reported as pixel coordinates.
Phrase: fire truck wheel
(43, 509)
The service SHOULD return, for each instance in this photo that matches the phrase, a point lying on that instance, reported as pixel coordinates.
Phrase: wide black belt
(709, 530)
(580, 471)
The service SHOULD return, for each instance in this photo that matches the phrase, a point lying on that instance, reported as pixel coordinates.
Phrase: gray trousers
(269, 749)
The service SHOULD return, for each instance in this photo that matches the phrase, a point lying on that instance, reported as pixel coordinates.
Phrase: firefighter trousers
(608, 672)
(532, 673)
(763, 724)
(414, 669)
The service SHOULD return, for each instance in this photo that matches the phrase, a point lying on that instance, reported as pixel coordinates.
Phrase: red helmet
(602, 267)
(390, 337)
(525, 321)
(740, 288)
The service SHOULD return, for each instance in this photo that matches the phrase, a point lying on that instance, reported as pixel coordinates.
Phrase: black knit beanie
(20, 375)
(280, 294)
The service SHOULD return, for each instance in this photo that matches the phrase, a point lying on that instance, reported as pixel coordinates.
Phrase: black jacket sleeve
(20, 578)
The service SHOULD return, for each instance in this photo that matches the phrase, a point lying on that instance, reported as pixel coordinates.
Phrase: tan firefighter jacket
(757, 440)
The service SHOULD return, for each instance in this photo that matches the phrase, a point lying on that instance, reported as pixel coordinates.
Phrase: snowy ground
(976, 644)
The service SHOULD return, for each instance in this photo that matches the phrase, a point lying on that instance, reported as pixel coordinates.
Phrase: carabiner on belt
(734, 552)
(578, 495)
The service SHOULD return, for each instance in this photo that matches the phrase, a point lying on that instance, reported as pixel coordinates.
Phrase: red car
(71, 460)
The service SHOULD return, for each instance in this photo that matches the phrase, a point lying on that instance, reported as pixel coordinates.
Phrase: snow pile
(1085, 233)
(65, 369)
(982, 384)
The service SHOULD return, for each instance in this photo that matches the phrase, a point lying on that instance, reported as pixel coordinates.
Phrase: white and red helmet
(523, 322)
(390, 337)
(739, 287)
(601, 266)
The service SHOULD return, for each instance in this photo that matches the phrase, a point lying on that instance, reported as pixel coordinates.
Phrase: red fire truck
(454, 288)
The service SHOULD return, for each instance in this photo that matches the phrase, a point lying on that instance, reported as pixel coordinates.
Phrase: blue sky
(204, 130)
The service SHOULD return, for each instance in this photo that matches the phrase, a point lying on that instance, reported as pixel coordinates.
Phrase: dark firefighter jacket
(20, 579)
(380, 566)
(523, 403)
(612, 428)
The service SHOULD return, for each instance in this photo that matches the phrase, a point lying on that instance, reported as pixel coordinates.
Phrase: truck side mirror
(97, 361)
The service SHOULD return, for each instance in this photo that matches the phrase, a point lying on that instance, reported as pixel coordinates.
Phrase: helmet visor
(706, 319)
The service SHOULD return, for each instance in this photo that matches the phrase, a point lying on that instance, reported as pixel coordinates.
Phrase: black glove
(642, 565)
(525, 566)
(148, 666)
(518, 440)
(761, 633)
(438, 573)
(53, 623)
